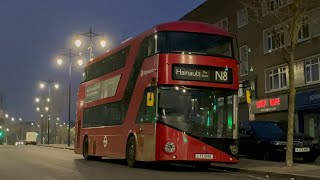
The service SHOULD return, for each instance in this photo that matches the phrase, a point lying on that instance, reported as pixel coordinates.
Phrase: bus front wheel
(131, 152)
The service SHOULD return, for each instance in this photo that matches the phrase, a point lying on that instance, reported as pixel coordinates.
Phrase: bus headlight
(234, 149)
(169, 147)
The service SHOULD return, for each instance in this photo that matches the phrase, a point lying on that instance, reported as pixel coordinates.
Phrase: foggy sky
(34, 32)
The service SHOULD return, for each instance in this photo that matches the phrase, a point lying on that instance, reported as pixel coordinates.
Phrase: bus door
(146, 126)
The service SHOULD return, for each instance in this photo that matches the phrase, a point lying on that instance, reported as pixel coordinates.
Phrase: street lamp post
(41, 100)
(42, 128)
(91, 35)
(8, 123)
(70, 55)
(42, 86)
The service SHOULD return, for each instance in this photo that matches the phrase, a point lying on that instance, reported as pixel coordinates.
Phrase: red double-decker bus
(169, 94)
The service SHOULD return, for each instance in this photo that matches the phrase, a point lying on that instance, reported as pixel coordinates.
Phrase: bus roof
(191, 26)
(185, 26)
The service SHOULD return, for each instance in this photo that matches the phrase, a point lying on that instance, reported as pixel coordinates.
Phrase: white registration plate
(204, 156)
(302, 149)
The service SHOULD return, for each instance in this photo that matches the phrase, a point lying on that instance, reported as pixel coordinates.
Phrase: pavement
(262, 168)
(274, 169)
(44, 163)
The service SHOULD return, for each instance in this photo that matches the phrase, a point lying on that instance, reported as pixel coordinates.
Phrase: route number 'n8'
(221, 75)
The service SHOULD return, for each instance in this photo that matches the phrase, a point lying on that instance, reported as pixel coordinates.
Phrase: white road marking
(256, 177)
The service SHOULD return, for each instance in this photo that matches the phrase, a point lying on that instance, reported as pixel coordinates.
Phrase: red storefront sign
(279, 103)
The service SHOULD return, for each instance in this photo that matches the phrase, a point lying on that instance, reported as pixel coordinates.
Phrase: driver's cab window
(146, 113)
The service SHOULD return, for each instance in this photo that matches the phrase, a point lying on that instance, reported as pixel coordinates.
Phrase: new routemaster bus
(168, 94)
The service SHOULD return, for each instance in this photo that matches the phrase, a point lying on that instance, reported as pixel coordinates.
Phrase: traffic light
(1, 134)
(248, 96)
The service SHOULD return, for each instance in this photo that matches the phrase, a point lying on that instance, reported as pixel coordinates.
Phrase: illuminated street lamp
(38, 109)
(80, 62)
(37, 99)
(7, 115)
(12, 119)
(70, 55)
(20, 119)
(103, 43)
(78, 42)
(59, 61)
(56, 86)
(49, 84)
(91, 35)
(42, 85)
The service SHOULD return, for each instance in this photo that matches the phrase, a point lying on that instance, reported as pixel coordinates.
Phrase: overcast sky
(34, 32)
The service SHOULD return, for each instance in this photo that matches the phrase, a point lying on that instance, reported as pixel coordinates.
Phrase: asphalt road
(45, 163)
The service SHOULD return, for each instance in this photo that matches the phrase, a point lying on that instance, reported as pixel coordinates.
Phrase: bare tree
(286, 17)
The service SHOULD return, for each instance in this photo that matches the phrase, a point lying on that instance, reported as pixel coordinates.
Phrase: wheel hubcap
(131, 152)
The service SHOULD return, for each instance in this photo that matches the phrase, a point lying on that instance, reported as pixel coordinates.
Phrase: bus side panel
(79, 117)
(186, 147)
(106, 141)
(115, 137)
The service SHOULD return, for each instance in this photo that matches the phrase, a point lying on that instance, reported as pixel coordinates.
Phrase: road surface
(45, 163)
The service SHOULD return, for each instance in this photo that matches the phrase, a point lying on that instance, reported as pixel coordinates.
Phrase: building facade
(263, 69)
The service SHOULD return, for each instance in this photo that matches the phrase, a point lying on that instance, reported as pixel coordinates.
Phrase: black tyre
(85, 152)
(131, 152)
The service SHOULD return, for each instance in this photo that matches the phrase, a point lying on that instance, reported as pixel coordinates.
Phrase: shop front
(308, 113)
(271, 109)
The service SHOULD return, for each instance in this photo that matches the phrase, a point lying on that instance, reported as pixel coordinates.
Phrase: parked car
(267, 140)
